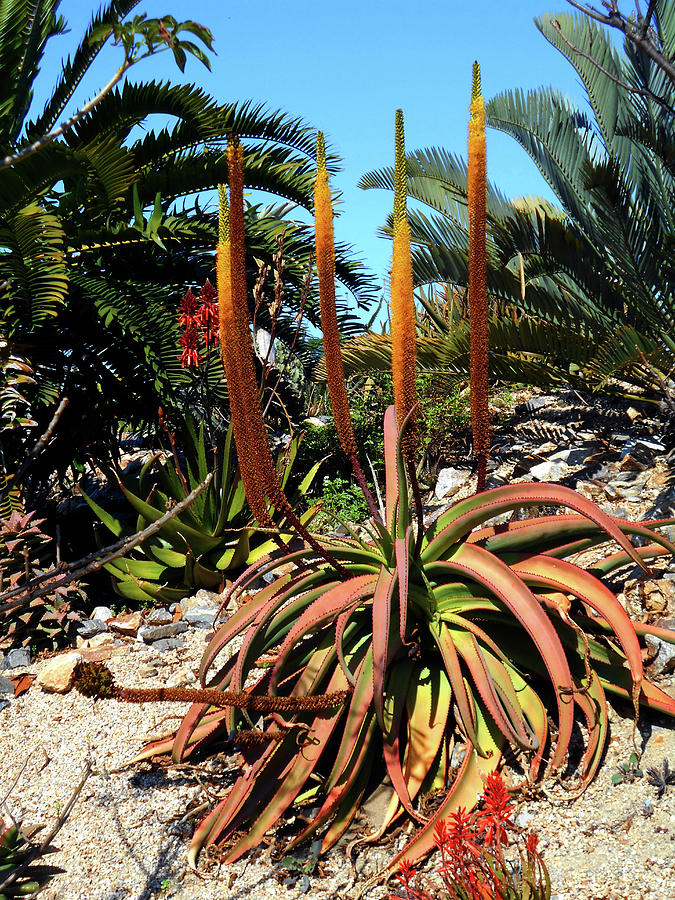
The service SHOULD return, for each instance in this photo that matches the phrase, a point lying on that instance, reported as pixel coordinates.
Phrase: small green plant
(628, 772)
(661, 778)
(344, 500)
(165, 885)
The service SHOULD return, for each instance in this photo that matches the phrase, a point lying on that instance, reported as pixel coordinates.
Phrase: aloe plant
(201, 546)
(464, 645)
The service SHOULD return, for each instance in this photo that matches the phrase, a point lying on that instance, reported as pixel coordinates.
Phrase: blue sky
(346, 66)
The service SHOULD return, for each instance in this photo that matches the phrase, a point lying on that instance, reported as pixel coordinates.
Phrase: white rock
(57, 675)
(102, 612)
(550, 471)
(450, 481)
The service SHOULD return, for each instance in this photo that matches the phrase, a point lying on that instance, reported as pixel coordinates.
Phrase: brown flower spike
(255, 457)
(478, 305)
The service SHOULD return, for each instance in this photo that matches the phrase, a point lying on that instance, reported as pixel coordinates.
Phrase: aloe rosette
(452, 651)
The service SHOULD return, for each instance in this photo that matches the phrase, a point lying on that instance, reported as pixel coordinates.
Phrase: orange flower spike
(478, 304)
(325, 264)
(403, 320)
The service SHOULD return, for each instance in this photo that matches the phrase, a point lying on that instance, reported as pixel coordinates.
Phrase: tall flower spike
(478, 305)
(403, 324)
(258, 471)
(325, 264)
(229, 345)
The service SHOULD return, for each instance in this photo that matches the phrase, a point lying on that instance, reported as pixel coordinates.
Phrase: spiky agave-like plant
(453, 646)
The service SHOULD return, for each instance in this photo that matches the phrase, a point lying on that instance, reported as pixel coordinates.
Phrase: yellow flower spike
(403, 320)
(325, 264)
(478, 304)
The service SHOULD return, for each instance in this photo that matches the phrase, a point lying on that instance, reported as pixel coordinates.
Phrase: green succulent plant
(212, 538)
(15, 851)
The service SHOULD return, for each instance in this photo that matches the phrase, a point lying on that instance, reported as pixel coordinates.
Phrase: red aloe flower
(532, 845)
(190, 355)
(208, 320)
(405, 877)
(496, 814)
(188, 309)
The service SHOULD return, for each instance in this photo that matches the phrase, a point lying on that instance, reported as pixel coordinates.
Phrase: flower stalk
(478, 304)
(404, 325)
(325, 264)
(259, 473)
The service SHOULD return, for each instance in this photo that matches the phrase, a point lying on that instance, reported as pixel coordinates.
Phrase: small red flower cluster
(472, 845)
(198, 317)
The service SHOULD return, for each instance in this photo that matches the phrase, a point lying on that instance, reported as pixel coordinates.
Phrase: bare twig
(95, 561)
(39, 849)
(73, 120)
(637, 32)
(642, 92)
(18, 476)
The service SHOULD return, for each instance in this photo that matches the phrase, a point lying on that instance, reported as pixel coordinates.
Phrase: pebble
(16, 659)
(152, 633)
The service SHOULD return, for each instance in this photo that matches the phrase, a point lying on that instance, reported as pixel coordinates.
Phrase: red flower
(496, 814)
(190, 355)
(208, 320)
(208, 293)
(187, 311)
(532, 845)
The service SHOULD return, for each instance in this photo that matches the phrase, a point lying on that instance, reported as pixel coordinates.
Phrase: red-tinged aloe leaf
(511, 726)
(386, 639)
(535, 712)
(617, 681)
(543, 571)
(303, 766)
(220, 818)
(465, 705)
(350, 802)
(352, 777)
(467, 514)
(464, 791)
(202, 732)
(488, 570)
(617, 560)
(359, 708)
(323, 610)
(391, 467)
(641, 628)
(559, 535)
(402, 552)
(428, 703)
(195, 715)
(593, 705)
(341, 624)
(240, 620)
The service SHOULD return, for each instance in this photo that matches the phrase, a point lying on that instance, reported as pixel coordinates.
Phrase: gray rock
(200, 616)
(664, 663)
(102, 612)
(91, 627)
(206, 598)
(169, 644)
(550, 471)
(152, 633)
(6, 687)
(575, 457)
(15, 659)
(450, 481)
(535, 403)
(158, 617)
(4, 704)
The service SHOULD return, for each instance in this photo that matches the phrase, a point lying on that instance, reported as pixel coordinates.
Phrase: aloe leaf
(593, 705)
(543, 571)
(112, 524)
(176, 532)
(464, 792)
(323, 610)
(403, 551)
(391, 468)
(386, 639)
(465, 515)
(488, 570)
(453, 668)
(303, 766)
(349, 803)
